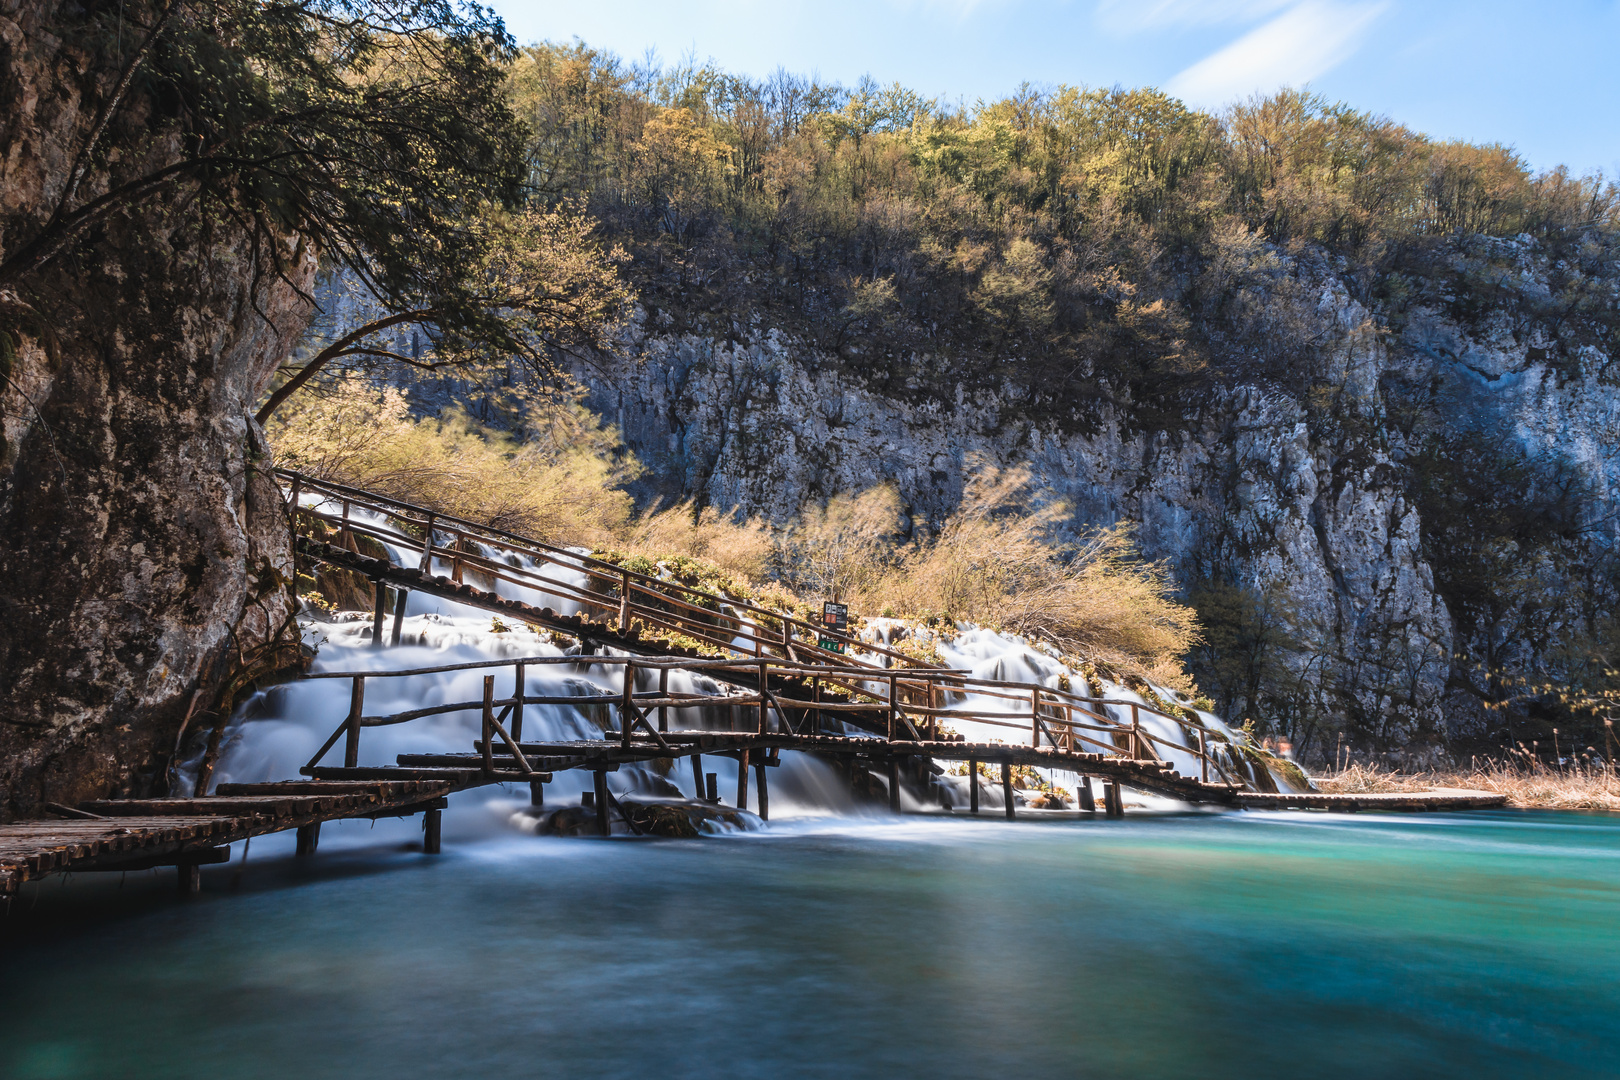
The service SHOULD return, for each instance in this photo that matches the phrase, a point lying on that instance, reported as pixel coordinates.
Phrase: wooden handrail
(555, 555)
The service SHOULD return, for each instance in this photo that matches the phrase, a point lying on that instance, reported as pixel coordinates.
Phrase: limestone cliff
(142, 542)
(1305, 492)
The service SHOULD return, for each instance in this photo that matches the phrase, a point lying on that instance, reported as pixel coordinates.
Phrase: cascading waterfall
(277, 730)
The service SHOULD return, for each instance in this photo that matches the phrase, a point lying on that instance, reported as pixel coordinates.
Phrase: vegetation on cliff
(1074, 241)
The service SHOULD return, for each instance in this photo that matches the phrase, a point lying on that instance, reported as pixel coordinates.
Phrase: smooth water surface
(1253, 945)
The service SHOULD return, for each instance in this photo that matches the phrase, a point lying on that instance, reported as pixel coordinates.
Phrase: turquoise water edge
(1195, 945)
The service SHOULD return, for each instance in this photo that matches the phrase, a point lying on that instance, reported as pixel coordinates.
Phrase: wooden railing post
(663, 692)
(455, 559)
(343, 532)
(1136, 734)
(1035, 719)
(520, 686)
(624, 603)
(1203, 758)
(626, 718)
(894, 707)
(357, 703)
(764, 685)
(427, 545)
(488, 735)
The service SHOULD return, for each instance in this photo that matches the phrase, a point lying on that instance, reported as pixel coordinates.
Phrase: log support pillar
(378, 612)
(1087, 800)
(399, 614)
(1006, 788)
(764, 796)
(309, 838)
(973, 786)
(894, 785)
(604, 827)
(742, 779)
(431, 821)
(190, 879)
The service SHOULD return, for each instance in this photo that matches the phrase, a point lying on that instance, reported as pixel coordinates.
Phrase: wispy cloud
(1304, 42)
(1134, 16)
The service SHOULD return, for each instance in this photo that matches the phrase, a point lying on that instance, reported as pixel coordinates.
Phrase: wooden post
(537, 793)
(1006, 787)
(488, 735)
(1136, 734)
(343, 531)
(379, 611)
(663, 692)
(1088, 801)
(190, 881)
(1035, 718)
(697, 777)
(1113, 800)
(357, 701)
(894, 711)
(430, 832)
(626, 717)
(603, 826)
(742, 779)
(764, 683)
(1203, 757)
(624, 603)
(713, 787)
(399, 614)
(894, 784)
(455, 559)
(427, 545)
(520, 686)
(816, 686)
(973, 786)
(308, 839)
(764, 796)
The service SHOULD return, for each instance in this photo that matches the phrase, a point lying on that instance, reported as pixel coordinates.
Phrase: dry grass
(743, 550)
(561, 486)
(1527, 783)
(996, 562)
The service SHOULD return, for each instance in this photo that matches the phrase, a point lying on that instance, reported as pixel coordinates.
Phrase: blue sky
(1544, 78)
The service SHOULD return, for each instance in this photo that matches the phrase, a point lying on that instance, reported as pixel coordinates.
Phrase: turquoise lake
(1197, 945)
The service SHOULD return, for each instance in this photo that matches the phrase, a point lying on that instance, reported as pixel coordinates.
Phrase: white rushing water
(279, 729)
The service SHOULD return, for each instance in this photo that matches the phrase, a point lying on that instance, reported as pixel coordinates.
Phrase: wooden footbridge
(866, 708)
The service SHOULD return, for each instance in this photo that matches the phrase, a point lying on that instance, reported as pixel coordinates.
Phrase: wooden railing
(917, 705)
(725, 623)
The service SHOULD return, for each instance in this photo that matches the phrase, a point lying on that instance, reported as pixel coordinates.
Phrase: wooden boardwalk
(139, 834)
(785, 690)
(1407, 801)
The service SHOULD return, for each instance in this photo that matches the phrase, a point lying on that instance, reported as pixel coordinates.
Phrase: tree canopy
(378, 129)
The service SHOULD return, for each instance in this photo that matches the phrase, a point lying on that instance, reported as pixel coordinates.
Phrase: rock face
(143, 542)
(1309, 494)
